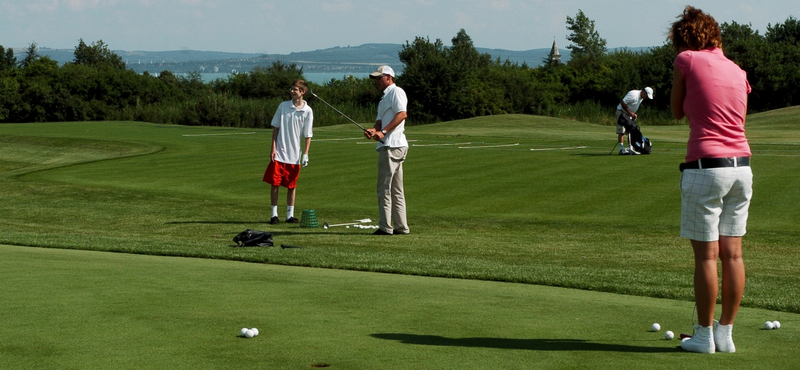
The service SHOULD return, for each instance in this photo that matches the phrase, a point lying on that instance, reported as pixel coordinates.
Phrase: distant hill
(347, 59)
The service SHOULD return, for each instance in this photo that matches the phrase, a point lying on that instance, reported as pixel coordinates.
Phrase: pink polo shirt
(715, 104)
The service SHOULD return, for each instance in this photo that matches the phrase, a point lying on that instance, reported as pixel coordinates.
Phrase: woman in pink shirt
(716, 182)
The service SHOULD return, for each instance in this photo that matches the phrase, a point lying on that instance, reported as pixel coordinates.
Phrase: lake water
(317, 78)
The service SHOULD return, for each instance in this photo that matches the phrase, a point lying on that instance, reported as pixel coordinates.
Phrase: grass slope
(68, 309)
(507, 198)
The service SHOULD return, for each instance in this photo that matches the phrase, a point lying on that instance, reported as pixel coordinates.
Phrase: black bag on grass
(253, 238)
(640, 143)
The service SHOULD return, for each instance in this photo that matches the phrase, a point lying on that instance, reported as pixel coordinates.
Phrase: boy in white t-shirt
(292, 121)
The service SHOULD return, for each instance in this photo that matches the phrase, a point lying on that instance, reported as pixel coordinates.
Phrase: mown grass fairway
(508, 198)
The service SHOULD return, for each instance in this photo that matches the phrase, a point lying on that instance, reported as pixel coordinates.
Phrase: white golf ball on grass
(769, 325)
(255, 331)
(776, 324)
(249, 334)
(655, 327)
(243, 331)
(669, 335)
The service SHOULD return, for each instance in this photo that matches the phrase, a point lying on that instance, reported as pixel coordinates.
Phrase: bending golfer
(628, 106)
(717, 183)
(293, 119)
(392, 148)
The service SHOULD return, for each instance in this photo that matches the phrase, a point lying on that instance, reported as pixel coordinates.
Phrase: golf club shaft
(347, 224)
(338, 111)
(352, 223)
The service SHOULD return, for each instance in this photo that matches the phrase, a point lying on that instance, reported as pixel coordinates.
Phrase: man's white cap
(649, 91)
(383, 70)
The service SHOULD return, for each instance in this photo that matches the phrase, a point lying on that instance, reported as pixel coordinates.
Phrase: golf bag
(253, 238)
(639, 142)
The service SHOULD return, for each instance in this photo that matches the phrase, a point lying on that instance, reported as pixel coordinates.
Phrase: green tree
(586, 41)
(31, 55)
(260, 82)
(787, 32)
(97, 55)
(426, 78)
(473, 93)
(7, 59)
(37, 89)
(449, 83)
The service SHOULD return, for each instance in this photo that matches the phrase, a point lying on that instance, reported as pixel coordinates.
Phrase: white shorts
(715, 202)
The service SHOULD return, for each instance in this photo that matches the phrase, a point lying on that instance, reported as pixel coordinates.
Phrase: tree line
(443, 83)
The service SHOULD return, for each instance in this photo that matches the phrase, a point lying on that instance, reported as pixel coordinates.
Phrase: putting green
(84, 309)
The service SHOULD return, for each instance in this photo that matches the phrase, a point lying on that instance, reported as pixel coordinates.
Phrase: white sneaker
(723, 337)
(702, 341)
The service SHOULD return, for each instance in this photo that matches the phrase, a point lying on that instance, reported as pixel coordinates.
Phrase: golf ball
(249, 334)
(325, 227)
(347, 227)
(255, 331)
(769, 325)
(655, 327)
(776, 324)
(669, 335)
(244, 331)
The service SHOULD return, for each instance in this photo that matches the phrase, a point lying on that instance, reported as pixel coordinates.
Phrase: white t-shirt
(633, 99)
(394, 100)
(293, 123)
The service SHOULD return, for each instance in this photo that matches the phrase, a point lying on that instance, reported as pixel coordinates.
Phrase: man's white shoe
(723, 337)
(702, 341)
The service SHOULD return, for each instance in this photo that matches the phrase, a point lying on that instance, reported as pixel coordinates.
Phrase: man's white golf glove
(305, 160)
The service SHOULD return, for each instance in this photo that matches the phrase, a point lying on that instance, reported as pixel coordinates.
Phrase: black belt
(704, 163)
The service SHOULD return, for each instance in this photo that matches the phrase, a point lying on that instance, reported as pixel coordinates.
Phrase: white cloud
(500, 5)
(79, 5)
(42, 6)
(339, 6)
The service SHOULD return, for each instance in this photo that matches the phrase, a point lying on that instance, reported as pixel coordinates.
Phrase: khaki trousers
(391, 199)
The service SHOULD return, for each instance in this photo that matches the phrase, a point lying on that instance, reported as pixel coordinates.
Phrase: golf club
(338, 111)
(694, 323)
(327, 225)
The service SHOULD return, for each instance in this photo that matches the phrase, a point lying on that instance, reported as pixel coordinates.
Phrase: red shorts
(282, 174)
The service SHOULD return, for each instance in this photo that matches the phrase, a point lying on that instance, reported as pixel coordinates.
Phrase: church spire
(555, 56)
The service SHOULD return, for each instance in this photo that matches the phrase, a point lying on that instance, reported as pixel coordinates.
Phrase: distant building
(555, 57)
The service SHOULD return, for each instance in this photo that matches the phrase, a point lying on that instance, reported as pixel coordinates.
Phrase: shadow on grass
(528, 344)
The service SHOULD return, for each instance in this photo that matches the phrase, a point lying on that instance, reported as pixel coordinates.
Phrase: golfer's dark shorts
(282, 174)
(620, 128)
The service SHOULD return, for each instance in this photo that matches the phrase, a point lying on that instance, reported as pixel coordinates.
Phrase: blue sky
(281, 27)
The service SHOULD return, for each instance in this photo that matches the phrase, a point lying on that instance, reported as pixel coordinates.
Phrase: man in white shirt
(389, 131)
(628, 106)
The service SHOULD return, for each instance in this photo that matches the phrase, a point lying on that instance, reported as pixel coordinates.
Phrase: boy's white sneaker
(702, 341)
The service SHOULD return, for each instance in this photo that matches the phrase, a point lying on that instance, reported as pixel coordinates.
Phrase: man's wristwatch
(383, 132)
